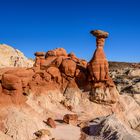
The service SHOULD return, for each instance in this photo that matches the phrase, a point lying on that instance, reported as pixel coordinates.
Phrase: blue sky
(41, 25)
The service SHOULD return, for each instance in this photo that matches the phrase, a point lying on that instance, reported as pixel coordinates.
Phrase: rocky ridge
(62, 93)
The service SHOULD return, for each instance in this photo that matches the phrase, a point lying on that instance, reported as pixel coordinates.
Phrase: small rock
(51, 123)
(42, 132)
(82, 124)
(70, 119)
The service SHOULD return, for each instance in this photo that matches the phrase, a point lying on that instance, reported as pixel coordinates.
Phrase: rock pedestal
(40, 59)
(98, 65)
(103, 88)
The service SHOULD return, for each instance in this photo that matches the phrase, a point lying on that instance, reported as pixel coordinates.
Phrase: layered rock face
(62, 93)
(10, 57)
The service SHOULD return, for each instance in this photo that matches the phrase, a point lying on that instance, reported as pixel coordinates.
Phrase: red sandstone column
(98, 65)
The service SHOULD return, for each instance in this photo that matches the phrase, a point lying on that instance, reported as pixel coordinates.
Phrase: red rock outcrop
(56, 69)
(58, 85)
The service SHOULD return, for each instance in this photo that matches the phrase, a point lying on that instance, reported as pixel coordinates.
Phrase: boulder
(70, 119)
(134, 72)
(11, 82)
(56, 52)
(24, 74)
(68, 67)
(50, 122)
(48, 62)
(55, 74)
(57, 62)
(60, 52)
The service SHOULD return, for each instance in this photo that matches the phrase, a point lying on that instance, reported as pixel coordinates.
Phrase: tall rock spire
(98, 65)
(103, 88)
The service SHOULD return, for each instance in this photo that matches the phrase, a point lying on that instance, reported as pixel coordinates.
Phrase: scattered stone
(70, 119)
(42, 132)
(50, 122)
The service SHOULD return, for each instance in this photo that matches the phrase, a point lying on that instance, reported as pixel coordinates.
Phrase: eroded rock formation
(103, 88)
(56, 69)
(63, 87)
(98, 65)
